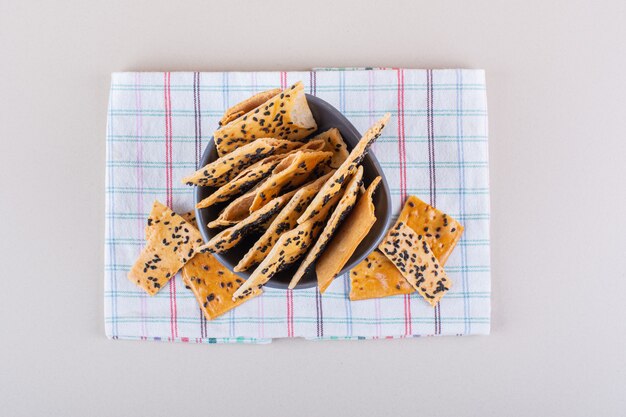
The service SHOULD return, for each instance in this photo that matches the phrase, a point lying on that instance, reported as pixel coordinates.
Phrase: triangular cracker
(248, 104)
(334, 143)
(223, 169)
(284, 116)
(246, 179)
(376, 277)
(250, 176)
(344, 207)
(289, 248)
(171, 242)
(440, 231)
(230, 237)
(411, 254)
(334, 184)
(289, 173)
(347, 238)
(236, 210)
(213, 285)
(285, 221)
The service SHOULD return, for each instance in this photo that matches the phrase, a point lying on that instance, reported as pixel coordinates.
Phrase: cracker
(251, 176)
(348, 238)
(171, 242)
(289, 248)
(236, 210)
(243, 182)
(285, 221)
(376, 277)
(223, 169)
(334, 143)
(228, 238)
(213, 285)
(334, 183)
(343, 208)
(289, 173)
(440, 231)
(190, 217)
(248, 104)
(284, 116)
(411, 254)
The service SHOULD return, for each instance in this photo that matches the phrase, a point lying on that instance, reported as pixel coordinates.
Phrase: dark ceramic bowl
(326, 117)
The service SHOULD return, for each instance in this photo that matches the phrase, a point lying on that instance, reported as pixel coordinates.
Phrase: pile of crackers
(302, 192)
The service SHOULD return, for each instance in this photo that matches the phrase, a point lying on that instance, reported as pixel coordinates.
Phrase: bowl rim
(384, 186)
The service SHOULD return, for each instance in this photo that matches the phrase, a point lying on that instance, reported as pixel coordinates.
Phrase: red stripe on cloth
(289, 313)
(401, 139)
(402, 158)
(283, 80)
(169, 186)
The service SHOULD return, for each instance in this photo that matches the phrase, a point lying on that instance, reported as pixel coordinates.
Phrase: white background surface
(556, 85)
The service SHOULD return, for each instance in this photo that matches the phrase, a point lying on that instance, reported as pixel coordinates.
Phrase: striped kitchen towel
(434, 147)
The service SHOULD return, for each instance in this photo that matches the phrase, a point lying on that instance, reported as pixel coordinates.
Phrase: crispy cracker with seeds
(440, 231)
(334, 143)
(343, 208)
(171, 242)
(417, 215)
(189, 216)
(228, 238)
(252, 175)
(411, 254)
(289, 173)
(284, 116)
(248, 104)
(375, 277)
(285, 221)
(289, 248)
(243, 182)
(236, 210)
(347, 168)
(348, 238)
(213, 285)
(223, 169)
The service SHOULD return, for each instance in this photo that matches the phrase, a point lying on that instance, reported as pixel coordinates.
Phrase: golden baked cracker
(334, 143)
(223, 169)
(236, 210)
(246, 179)
(440, 231)
(190, 217)
(348, 238)
(284, 116)
(249, 177)
(229, 117)
(376, 277)
(213, 285)
(334, 183)
(289, 173)
(411, 254)
(289, 248)
(285, 221)
(171, 242)
(230, 237)
(343, 208)
(248, 104)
